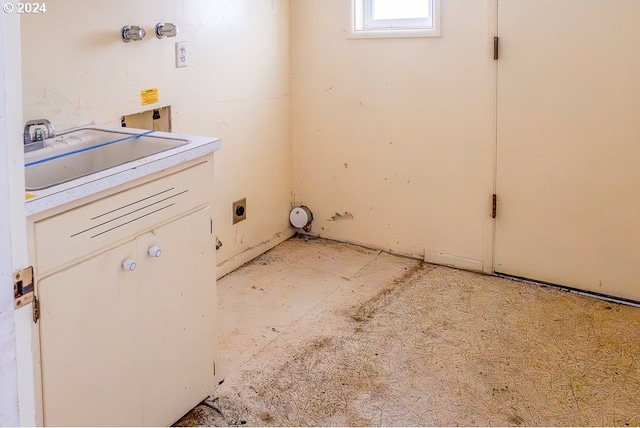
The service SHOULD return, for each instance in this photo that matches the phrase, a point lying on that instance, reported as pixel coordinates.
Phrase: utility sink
(78, 153)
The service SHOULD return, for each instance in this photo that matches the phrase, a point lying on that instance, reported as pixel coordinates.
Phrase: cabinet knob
(155, 251)
(129, 265)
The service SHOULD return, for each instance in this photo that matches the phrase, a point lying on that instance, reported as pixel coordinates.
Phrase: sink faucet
(43, 130)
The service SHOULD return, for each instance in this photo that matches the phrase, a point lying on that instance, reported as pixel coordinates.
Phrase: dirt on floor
(405, 343)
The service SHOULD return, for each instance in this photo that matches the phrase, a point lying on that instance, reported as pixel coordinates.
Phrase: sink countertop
(197, 146)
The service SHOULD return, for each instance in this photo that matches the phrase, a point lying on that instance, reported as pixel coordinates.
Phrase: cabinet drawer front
(81, 231)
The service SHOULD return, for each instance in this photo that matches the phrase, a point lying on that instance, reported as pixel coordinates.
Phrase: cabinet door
(177, 317)
(89, 342)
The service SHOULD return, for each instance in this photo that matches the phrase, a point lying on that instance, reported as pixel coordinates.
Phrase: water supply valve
(166, 29)
(132, 32)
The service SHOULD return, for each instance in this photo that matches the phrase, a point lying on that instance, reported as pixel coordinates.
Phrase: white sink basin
(85, 151)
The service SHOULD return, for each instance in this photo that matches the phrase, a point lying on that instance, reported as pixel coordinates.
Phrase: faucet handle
(38, 135)
(43, 130)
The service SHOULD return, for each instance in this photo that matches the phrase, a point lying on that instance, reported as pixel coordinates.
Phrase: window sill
(395, 33)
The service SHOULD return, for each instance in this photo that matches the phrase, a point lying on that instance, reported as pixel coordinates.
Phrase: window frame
(362, 25)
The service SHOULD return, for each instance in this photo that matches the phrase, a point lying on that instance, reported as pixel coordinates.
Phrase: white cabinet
(90, 350)
(129, 345)
(177, 306)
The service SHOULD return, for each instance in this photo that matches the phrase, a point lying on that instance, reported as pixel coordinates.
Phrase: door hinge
(23, 286)
(494, 206)
(496, 45)
(36, 309)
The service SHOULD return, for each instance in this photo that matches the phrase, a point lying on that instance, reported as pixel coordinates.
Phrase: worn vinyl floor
(325, 333)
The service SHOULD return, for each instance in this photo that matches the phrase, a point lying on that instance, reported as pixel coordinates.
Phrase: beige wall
(397, 133)
(77, 71)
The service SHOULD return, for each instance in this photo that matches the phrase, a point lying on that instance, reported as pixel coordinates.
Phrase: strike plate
(23, 287)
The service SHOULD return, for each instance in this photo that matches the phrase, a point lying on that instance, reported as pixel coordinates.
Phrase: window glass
(400, 9)
(394, 18)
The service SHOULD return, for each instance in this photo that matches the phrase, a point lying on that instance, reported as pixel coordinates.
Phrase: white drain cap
(301, 217)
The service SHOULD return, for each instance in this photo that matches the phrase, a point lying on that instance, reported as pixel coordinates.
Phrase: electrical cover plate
(239, 210)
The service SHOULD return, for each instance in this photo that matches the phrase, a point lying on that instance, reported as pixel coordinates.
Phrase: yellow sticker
(28, 196)
(149, 96)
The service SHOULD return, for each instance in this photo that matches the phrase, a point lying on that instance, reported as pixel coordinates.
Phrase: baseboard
(252, 252)
(438, 258)
(417, 256)
(430, 256)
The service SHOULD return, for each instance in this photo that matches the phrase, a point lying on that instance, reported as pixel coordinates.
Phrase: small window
(395, 18)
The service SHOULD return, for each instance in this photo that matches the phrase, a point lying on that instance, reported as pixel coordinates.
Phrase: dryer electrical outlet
(239, 210)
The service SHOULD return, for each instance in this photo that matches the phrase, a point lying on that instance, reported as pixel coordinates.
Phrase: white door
(568, 177)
